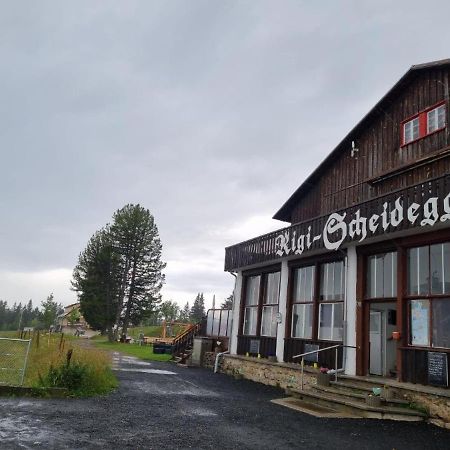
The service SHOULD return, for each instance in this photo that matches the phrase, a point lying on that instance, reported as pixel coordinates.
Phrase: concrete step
(355, 406)
(358, 394)
(313, 409)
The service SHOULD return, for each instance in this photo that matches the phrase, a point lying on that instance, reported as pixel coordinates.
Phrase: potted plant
(373, 400)
(323, 379)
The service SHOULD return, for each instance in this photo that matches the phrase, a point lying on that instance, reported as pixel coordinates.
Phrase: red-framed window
(424, 123)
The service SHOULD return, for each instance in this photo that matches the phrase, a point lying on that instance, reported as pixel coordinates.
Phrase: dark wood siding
(327, 358)
(381, 164)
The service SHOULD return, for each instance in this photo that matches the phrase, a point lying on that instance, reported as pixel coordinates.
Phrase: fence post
(26, 362)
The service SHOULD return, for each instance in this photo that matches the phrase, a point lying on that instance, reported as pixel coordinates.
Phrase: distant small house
(72, 317)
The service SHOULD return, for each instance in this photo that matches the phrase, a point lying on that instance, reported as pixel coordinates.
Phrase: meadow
(57, 360)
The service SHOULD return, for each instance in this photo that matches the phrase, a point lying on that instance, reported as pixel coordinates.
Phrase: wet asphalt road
(163, 406)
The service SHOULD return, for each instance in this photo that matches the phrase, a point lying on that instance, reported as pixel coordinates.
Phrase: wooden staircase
(348, 396)
(183, 344)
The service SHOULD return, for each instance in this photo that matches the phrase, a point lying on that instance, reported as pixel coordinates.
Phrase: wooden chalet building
(365, 261)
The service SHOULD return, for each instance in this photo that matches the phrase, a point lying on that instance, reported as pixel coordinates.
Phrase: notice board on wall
(314, 357)
(254, 346)
(437, 369)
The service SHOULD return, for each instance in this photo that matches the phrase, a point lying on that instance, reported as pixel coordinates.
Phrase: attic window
(426, 122)
(436, 119)
(411, 130)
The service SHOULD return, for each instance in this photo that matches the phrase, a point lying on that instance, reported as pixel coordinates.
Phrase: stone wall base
(262, 371)
(435, 402)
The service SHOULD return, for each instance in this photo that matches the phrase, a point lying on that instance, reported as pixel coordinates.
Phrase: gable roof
(284, 213)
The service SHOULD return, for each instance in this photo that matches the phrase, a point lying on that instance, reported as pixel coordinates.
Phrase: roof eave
(284, 213)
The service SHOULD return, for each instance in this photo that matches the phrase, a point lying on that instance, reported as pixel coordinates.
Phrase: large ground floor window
(262, 293)
(317, 299)
(428, 289)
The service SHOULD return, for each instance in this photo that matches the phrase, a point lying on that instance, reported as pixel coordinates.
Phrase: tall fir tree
(96, 280)
(136, 241)
(119, 276)
(185, 313)
(198, 308)
(228, 302)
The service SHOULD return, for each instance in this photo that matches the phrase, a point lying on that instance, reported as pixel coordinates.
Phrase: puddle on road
(23, 432)
(174, 387)
(155, 371)
(202, 412)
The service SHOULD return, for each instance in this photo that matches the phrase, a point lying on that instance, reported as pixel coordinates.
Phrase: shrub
(86, 374)
(72, 376)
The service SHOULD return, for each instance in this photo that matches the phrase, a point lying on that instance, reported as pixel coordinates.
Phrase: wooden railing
(307, 236)
(185, 339)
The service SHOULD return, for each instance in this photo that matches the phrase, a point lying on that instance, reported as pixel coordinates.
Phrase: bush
(82, 378)
(72, 376)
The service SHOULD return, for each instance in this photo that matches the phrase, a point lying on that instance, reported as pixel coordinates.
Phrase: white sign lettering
(336, 229)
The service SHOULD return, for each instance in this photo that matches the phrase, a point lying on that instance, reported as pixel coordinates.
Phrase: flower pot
(396, 335)
(373, 400)
(323, 379)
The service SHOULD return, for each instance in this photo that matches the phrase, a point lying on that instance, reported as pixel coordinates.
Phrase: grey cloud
(208, 113)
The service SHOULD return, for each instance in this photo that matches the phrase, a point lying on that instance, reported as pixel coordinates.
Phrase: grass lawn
(89, 372)
(139, 351)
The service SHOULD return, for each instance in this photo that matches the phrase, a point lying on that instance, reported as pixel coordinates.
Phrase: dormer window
(421, 125)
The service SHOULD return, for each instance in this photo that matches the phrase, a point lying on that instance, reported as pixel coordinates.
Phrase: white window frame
(247, 331)
(433, 118)
(303, 334)
(408, 134)
(333, 337)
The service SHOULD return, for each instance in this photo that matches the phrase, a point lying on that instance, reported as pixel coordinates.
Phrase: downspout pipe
(216, 363)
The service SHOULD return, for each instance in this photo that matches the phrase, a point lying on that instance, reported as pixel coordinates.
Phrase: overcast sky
(208, 113)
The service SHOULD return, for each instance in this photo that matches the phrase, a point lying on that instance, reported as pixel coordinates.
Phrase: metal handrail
(302, 355)
(317, 351)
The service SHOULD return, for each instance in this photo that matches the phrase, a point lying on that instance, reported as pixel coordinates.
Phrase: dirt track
(162, 406)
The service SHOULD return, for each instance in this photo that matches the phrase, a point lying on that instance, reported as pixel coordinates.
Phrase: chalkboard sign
(437, 369)
(254, 346)
(314, 357)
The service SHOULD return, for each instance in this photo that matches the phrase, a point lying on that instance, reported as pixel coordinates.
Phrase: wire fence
(13, 360)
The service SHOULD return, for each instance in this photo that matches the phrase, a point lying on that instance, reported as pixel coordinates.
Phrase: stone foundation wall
(262, 371)
(209, 359)
(437, 407)
(435, 402)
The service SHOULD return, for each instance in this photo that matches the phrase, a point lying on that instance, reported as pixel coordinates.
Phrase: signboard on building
(311, 348)
(437, 369)
(254, 347)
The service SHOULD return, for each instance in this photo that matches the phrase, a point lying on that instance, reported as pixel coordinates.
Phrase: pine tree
(119, 275)
(228, 303)
(96, 281)
(136, 241)
(185, 313)
(198, 309)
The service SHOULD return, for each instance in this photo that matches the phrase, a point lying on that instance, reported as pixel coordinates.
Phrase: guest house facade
(365, 259)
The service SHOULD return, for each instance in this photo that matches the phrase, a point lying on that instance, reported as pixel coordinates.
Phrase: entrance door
(376, 342)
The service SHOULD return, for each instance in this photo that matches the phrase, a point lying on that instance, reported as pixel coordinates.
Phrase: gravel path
(163, 406)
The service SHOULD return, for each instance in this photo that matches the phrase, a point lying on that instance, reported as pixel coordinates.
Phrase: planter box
(373, 400)
(323, 379)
